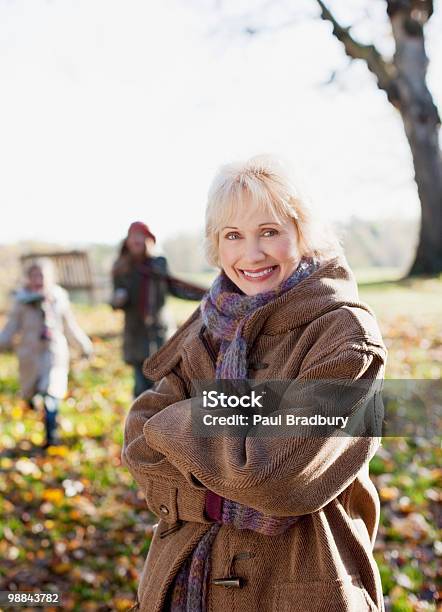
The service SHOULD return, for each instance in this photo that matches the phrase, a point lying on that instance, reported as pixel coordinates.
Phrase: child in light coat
(43, 321)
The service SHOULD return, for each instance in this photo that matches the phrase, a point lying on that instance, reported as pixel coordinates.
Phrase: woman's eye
(232, 236)
(270, 232)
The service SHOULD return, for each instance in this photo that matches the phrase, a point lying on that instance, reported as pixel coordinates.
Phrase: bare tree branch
(381, 68)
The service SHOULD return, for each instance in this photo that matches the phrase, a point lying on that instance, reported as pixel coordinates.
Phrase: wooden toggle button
(232, 582)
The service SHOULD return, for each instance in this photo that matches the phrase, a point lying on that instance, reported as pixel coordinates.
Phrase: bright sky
(112, 111)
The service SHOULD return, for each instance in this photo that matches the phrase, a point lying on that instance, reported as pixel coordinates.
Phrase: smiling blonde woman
(252, 522)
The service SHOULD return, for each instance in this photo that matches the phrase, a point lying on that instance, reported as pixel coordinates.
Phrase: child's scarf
(225, 311)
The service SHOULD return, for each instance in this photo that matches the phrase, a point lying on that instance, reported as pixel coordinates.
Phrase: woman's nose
(253, 252)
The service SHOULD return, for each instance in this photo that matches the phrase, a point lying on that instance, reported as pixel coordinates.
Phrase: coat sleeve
(175, 286)
(11, 328)
(73, 331)
(279, 476)
(184, 290)
(161, 483)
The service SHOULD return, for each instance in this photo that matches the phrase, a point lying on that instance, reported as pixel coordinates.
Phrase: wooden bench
(73, 269)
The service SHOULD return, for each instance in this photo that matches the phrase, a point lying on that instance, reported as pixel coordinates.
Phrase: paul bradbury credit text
(276, 420)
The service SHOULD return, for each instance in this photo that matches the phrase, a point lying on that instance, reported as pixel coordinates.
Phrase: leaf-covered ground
(71, 518)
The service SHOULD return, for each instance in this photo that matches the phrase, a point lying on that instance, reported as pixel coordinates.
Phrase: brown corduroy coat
(317, 330)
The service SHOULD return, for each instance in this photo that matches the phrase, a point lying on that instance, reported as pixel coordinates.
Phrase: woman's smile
(258, 275)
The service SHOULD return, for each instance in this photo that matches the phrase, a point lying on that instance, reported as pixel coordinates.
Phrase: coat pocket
(347, 595)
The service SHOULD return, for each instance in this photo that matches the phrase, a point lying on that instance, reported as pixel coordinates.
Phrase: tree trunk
(403, 80)
(421, 122)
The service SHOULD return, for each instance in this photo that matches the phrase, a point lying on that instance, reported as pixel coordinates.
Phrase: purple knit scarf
(225, 312)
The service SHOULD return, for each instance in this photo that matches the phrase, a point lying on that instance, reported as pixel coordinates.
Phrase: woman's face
(258, 251)
(136, 243)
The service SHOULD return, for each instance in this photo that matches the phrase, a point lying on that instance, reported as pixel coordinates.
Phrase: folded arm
(280, 476)
(164, 487)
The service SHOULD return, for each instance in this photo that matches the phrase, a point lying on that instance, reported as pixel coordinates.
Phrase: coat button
(258, 366)
(232, 581)
(164, 509)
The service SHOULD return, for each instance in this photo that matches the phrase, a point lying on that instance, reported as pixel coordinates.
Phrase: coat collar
(331, 286)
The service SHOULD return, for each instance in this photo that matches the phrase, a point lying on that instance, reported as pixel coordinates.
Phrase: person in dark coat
(141, 283)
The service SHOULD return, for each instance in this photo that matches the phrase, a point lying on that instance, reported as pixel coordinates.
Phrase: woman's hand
(119, 298)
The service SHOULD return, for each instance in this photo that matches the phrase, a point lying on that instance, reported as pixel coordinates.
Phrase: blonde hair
(267, 182)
